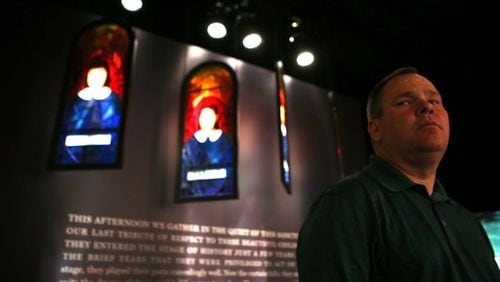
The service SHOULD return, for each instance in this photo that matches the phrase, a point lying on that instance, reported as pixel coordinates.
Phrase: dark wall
(39, 199)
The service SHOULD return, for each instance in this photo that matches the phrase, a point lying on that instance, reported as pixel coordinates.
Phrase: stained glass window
(283, 136)
(208, 130)
(90, 124)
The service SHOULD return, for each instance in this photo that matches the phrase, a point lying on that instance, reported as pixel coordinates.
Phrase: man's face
(414, 118)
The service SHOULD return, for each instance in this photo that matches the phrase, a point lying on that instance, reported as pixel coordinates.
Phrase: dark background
(38, 199)
(453, 43)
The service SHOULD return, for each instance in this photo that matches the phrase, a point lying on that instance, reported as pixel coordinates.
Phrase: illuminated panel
(283, 131)
(491, 224)
(90, 123)
(208, 129)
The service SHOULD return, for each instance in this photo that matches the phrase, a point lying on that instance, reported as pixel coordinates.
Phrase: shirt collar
(439, 194)
(394, 180)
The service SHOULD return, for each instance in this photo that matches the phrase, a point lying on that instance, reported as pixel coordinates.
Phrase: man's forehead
(405, 78)
(407, 83)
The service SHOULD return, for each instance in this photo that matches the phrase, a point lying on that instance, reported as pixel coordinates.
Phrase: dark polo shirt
(378, 225)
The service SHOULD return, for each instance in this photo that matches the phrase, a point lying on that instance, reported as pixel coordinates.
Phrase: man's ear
(374, 129)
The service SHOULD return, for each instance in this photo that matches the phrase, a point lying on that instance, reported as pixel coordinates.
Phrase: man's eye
(435, 102)
(403, 102)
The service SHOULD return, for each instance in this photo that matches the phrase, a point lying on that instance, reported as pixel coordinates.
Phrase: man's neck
(421, 170)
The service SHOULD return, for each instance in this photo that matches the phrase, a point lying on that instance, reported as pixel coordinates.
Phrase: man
(393, 221)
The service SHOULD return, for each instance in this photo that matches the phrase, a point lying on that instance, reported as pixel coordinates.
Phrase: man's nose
(426, 108)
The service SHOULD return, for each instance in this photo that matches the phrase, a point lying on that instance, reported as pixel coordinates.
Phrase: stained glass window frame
(231, 119)
(284, 142)
(118, 66)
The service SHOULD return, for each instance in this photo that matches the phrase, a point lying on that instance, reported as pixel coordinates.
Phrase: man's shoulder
(359, 182)
(357, 189)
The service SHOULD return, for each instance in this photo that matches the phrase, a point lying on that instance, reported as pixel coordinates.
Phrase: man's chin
(432, 148)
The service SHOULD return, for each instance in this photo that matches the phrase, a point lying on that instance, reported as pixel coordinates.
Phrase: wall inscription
(105, 249)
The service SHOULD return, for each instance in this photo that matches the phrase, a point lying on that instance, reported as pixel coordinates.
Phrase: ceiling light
(305, 58)
(132, 5)
(217, 30)
(252, 41)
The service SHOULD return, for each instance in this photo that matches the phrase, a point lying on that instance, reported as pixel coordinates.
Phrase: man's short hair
(374, 104)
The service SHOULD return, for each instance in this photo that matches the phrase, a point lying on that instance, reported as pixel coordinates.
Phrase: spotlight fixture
(251, 25)
(302, 47)
(216, 30)
(300, 42)
(132, 5)
(305, 58)
(217, 20)
(252, 40)
(295, 22)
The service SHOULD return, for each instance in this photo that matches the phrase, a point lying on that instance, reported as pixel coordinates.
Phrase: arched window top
(107, 42)
(90, 123)
(210, 83)
(208, 129)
